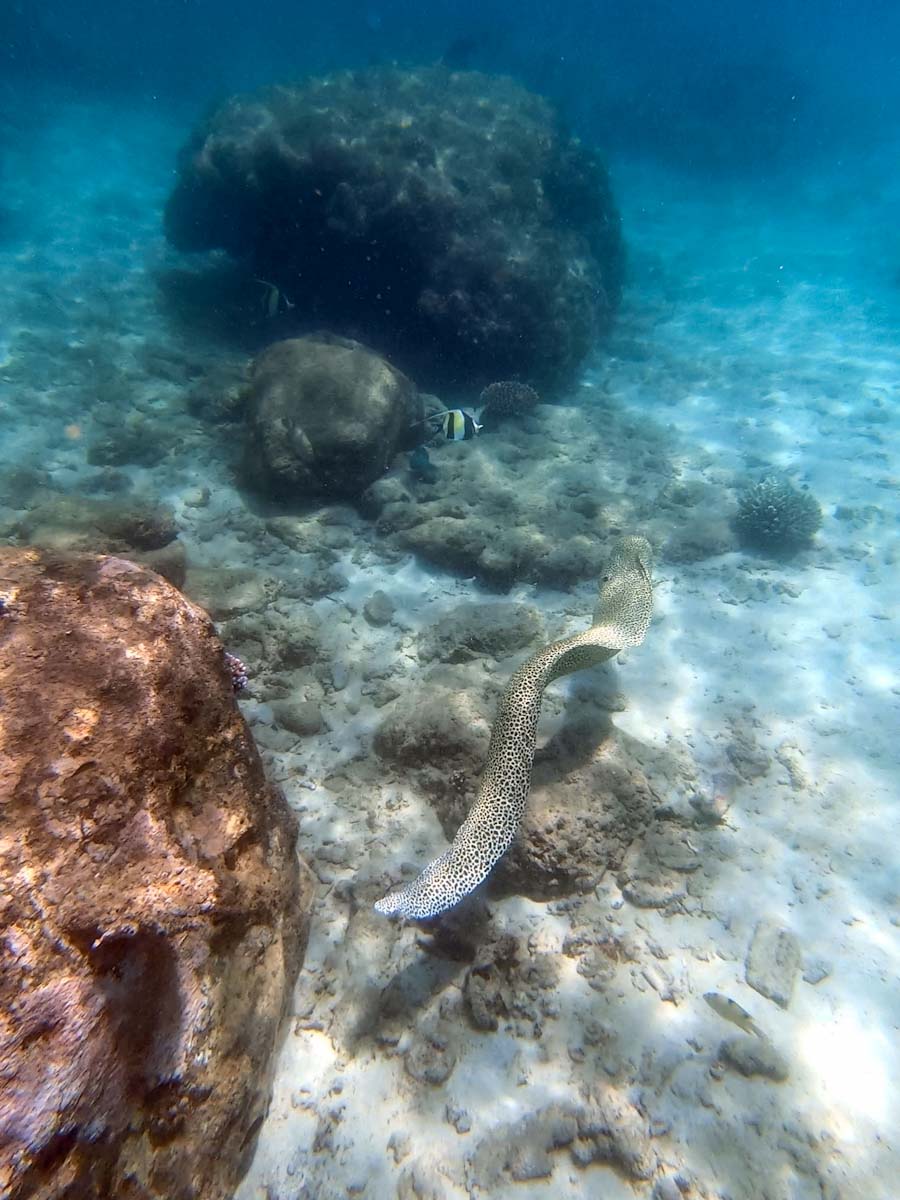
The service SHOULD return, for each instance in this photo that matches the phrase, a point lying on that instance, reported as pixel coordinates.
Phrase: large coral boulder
(325, 417)
(446, 215)
(152, 907)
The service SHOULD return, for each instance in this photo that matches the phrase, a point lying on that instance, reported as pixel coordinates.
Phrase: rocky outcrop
(445, 214)
(152, 908)
(142, 531)
(325, 418)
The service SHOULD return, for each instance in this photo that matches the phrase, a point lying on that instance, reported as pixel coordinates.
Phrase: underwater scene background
(382, 334)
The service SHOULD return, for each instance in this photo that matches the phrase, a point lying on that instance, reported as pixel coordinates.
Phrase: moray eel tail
(621, 618)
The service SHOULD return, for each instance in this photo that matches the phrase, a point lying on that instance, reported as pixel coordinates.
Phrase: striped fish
(273, 300)
(457, 425)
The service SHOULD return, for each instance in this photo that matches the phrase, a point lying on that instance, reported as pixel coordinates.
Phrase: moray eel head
(624, 599)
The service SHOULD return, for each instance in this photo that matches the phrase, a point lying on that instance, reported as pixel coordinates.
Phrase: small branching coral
(507, 398)
(237, 672)
(776, 517)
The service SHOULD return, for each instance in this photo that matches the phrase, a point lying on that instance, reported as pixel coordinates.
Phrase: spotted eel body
(621, 619)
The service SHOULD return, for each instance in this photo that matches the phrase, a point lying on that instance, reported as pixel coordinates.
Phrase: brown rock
(68, 522)
(152, 910)
(325, 416)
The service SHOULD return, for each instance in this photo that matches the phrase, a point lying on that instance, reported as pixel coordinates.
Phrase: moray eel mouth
(621, 619)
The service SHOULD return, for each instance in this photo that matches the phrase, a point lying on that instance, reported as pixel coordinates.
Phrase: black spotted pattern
(621, 619)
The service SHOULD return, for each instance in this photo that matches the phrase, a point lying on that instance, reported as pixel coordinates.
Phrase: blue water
(752, 153)
(715, 80)
(761, 95)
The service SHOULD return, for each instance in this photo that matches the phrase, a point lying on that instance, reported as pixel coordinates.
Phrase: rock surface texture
(152, 908)
(445, 214)
(325, 417)
(143, 532)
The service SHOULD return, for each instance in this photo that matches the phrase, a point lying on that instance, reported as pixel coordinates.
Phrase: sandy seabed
(759, 333)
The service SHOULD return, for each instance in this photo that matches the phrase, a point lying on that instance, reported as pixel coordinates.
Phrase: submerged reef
(590, 806)
(444, 216)
(776, 517)
(542, 500)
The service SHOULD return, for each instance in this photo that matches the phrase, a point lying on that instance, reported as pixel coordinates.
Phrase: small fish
(274, 301)
(457, 425)
(725, 1007)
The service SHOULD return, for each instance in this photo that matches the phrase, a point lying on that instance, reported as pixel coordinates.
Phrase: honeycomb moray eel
(621, 618)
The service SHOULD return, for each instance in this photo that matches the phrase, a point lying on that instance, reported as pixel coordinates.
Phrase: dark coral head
(443, 216)
(507, 398)
(776, 517)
